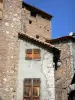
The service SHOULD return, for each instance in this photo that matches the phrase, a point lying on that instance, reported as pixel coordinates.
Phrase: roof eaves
(31, 37)
(40, 43)
(22, 35)
(60, 38)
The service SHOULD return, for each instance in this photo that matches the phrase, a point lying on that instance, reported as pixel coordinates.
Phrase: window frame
(33, 54)
(32, 86)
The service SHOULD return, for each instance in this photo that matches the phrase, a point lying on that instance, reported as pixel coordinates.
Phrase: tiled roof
(61, 39)
(23, 35)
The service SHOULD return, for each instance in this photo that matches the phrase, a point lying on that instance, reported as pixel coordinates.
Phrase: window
(33, 13)
(31, 89)
(1, 8)
(32, 54)
(37, 36)
(30, 21)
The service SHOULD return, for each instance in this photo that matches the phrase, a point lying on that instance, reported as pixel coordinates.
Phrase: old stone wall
(36, 25)
(10, 25)
(73, 57)
(42, 68)
(63, 74)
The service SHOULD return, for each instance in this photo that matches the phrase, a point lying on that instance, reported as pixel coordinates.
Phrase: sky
(63, 11)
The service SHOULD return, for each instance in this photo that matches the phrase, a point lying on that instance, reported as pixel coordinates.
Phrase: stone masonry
(64, 73)
(36, 25)
(10, 25)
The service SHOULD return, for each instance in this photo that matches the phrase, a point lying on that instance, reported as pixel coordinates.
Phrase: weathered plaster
(42, 69)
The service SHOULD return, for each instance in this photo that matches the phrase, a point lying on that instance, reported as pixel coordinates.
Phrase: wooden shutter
(36, 89)
(32, 54)
(31, 89)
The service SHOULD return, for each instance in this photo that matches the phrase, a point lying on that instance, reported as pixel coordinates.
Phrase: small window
(32, 54)
(31, 89)
(30, 21)
(33, 13)
(37, 36)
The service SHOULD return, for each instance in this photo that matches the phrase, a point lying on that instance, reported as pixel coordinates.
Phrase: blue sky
(63, 11)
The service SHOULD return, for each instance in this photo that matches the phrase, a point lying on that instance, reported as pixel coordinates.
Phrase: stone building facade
(36, 22)
(16, 18)
(23, 27)
(65, 73)
(41, 68)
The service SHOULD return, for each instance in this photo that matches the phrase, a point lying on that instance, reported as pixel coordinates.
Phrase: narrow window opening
(37, 36)
(30, 22)
(33, 13)
(47, 30)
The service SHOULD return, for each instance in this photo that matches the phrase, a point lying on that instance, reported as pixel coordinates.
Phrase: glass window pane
(36, 51)
(27, 82)
(31, 89)
(36, 91)
(36, 82)
(27, 91)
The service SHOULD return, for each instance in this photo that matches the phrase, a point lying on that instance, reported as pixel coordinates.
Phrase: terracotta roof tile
(35, 39)
(61, 39)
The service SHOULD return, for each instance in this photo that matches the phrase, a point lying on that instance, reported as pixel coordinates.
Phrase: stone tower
(36, 22)
(10, 25)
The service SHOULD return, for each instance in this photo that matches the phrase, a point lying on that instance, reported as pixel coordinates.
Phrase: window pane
(36, 51)
(29, 51)
(31, 89)
(32, 54)
(36, 82)
(27, 88)
(36, 91)
(27, 91)
(36, 87)
(27, 82)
